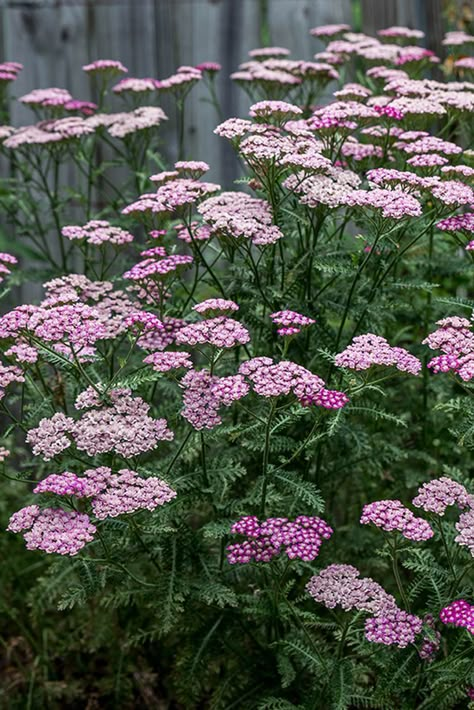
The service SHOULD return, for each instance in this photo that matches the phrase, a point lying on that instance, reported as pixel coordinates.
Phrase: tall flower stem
(266, 456)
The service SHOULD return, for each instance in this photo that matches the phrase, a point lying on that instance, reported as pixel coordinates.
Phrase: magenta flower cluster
(301, 539)
(459, 613)
(290, 322)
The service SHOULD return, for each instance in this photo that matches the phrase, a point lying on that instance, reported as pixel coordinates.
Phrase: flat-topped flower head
(340, 585)
(455, 339)
(393, 628)
(390, 515)
(237, 215)
(269, 52)
(459, 613)
(51, 97)
(97, 232)
(277, 111)
(290, 322)
(395, 32)
(166, 361)
(222, 332)
(193, 168)
(106, 67)
(141, 119)
(141, 321)
(440, 493)
(329, 30)
(67, 484)
(300, 539)
(369, 349)
(127, 492)
(221, 305)
(171, 196)
(158, 269)
(204, 394)
(465, 528)
(209, 67)
(134, 85)
(53, 530)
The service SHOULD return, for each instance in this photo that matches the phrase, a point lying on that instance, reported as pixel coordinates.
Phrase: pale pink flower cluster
(8, 375)
(329, 30)
(301, 539)
(160, 339)
(465, 528)
(459, 613)
(140, 119)
(222, 332)
(163, 362)
(111, 67)
(211, 67)
(341, 585)
(290, 322)
(67, 484)
(141, 321)
(170, 196)
(465, 63)
(199, 232)
(195, 168)
(456, 340)
(6, 262)
(4, 454)
(278, 110)
(457, 37)
(46, 97)
(275, 380)
(204, 394)
(182, 81)
(98, 232)
(427, 160)
(152, 268)
(369, 349)
(53, 529)
(237, 215)
(135, 86)
(440, 493)
(9, 71)
(390, 515)
(125, 427)
(126, 492)
(265, 52)
(403, 32)
(50, 438)
(215, 304)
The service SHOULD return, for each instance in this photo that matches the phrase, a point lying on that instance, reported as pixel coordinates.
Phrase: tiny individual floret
(390, 515)
(437, 495)
(215, 304)
(459, 613)
(301, 539)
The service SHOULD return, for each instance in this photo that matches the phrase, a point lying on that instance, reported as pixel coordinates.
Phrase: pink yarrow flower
(459, 613)
(53, 530)
(369, 349)
(98, 232)
(440, 493)
(390, 515)
(301, 539)
(290, 322)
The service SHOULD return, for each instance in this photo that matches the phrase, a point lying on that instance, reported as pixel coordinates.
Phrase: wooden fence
(54, 38)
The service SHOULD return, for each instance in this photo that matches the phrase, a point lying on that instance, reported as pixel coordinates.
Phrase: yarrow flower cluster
(456, 340)
(459, 613)
(163, 362)
(6, 262)
(222, 332)
(204, 394)
(341, 585)
(98, 232)
(290, 322)
(301, 539)
(369, 349)
(392, 515)
(271, 379)
(237, 215)
(215, 304)
(440, 493)
(53, 530)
